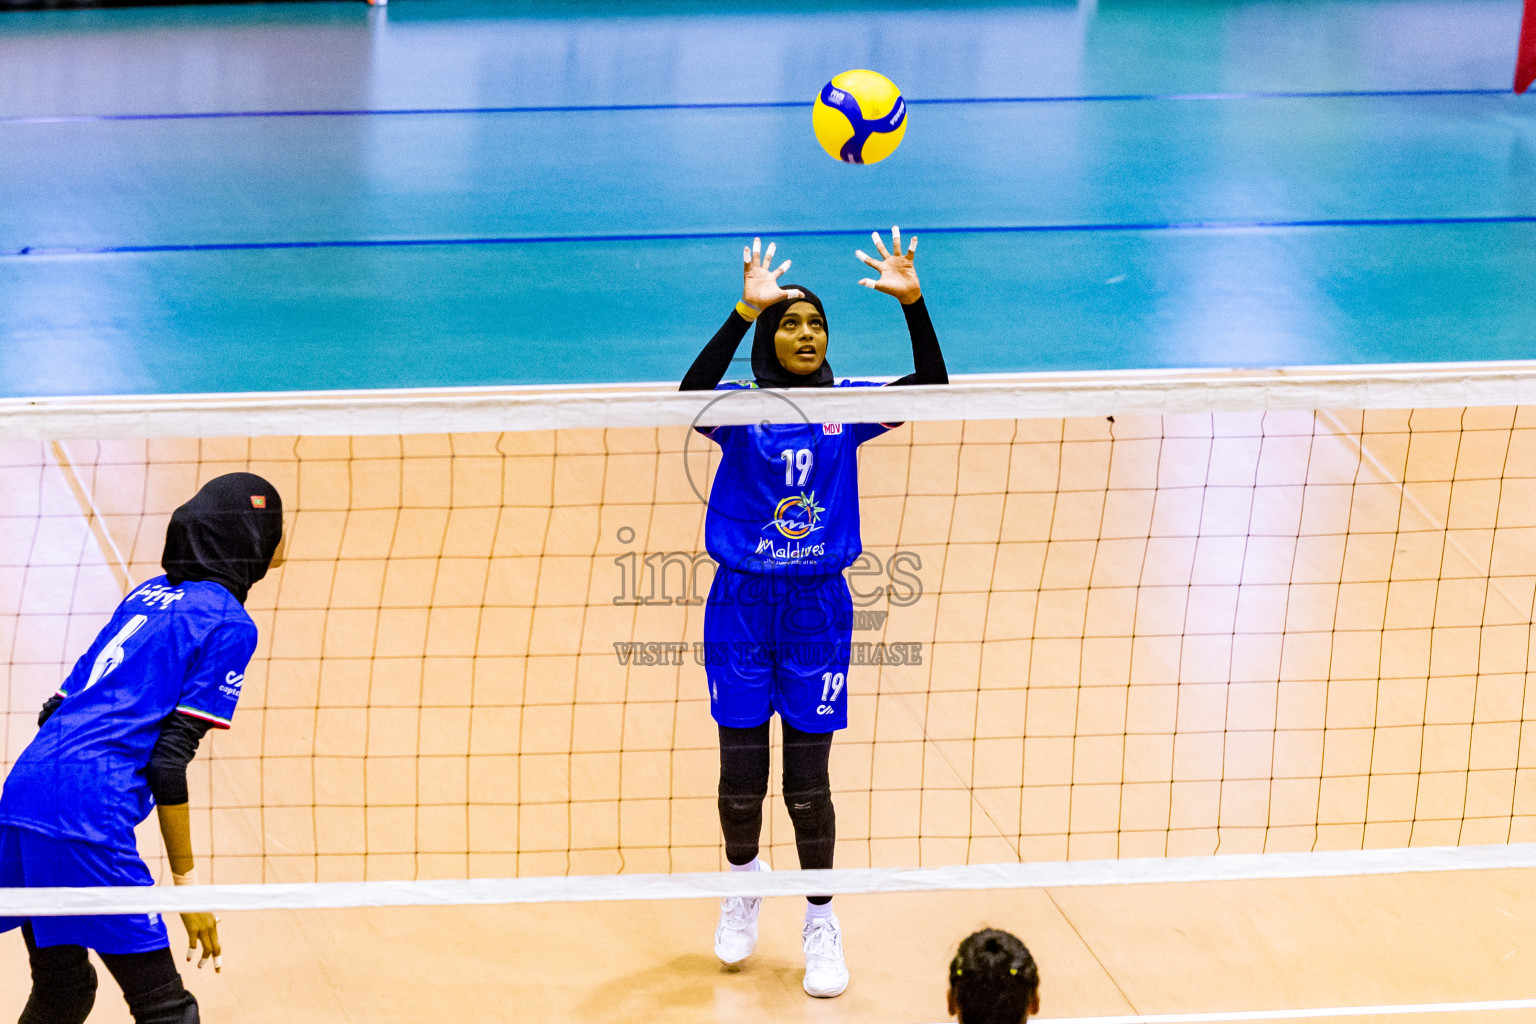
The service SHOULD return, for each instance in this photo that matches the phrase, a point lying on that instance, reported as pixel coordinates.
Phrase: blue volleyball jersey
(786, 495)
(167, 648)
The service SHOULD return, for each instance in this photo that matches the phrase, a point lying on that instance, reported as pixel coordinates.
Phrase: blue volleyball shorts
(30, 860)
(778, 643)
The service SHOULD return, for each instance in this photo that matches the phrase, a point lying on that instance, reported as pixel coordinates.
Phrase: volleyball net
(1097, 618)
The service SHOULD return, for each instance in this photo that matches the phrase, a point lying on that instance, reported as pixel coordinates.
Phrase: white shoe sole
(826, 995)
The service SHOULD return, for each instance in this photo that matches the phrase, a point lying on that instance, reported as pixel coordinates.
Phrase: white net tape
(717, 885)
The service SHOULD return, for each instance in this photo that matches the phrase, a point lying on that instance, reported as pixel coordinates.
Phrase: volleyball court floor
(1207, 215)
(1100, 186)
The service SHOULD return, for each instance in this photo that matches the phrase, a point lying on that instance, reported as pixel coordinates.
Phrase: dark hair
(994, 978)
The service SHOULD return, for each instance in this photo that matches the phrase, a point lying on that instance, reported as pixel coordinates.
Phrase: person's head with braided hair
(993, 980)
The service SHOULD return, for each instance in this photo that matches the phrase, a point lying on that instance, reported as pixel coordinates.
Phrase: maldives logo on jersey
(797, 516)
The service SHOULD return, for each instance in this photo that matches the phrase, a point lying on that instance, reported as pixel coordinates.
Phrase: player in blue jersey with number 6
(783, 524)
(116, 739)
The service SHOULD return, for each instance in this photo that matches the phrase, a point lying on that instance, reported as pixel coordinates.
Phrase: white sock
(755, 864)
(814, 912)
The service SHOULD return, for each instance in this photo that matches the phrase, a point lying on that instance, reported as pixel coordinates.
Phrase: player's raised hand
(203, 929)
(898, 276)
(759, 281)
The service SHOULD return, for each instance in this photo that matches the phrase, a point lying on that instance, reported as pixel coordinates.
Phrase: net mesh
(1075, 638)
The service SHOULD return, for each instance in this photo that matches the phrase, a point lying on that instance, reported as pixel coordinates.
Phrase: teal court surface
(327, 196)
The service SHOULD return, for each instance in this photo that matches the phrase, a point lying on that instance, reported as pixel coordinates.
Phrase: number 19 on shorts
(831, 687)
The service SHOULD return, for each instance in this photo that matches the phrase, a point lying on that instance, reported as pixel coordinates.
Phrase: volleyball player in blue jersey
(783, 524)
(117, 738)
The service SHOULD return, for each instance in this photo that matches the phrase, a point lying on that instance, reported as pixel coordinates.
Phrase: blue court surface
(315, 196)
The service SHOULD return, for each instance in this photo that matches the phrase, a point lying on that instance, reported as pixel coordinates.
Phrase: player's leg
(152, 986)
(740, 675)
(135, 947)
(808, 796)
(743, 787)
(63, 983)
(811, 695)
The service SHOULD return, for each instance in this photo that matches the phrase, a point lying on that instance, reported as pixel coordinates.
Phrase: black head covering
(227, 533)
(770, 373)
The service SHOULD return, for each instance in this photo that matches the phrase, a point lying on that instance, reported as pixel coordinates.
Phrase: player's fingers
(780, 272)
(866, 282)
(862, 255)
(768, 256)
(880, 245)
(746, 258)
(218, 965)
(912, 247)
(757, 249)
(794, 294)
(192, 948)
(895, 238)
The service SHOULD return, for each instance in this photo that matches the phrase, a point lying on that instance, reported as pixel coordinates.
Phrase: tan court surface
(1150, 949)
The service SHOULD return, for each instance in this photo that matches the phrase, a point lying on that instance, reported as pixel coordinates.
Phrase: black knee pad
(61, 995)
(741, 821)
(170, 1003)
(741, 807)
(810, 808)
(741, 803)
(815, 825)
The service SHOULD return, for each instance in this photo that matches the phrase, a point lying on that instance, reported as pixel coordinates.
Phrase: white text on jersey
(159, 594)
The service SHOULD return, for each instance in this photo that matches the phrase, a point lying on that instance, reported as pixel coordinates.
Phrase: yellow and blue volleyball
(860, 117)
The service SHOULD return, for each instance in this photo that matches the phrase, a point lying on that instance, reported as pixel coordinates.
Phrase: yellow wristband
(748, 312)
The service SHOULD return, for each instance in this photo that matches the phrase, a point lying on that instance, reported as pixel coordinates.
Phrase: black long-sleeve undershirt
(173, 751)
(927, 359)
(708, 370)
(167, 770)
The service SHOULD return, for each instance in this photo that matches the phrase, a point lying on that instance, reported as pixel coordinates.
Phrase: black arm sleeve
(167, 772)
(926, 357)
(49, 707)
(709, 368)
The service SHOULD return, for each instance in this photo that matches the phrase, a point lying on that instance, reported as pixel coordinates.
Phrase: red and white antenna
(1525, 64)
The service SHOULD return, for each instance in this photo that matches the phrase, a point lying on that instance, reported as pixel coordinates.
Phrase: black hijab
(227, 533)
(770, 373)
